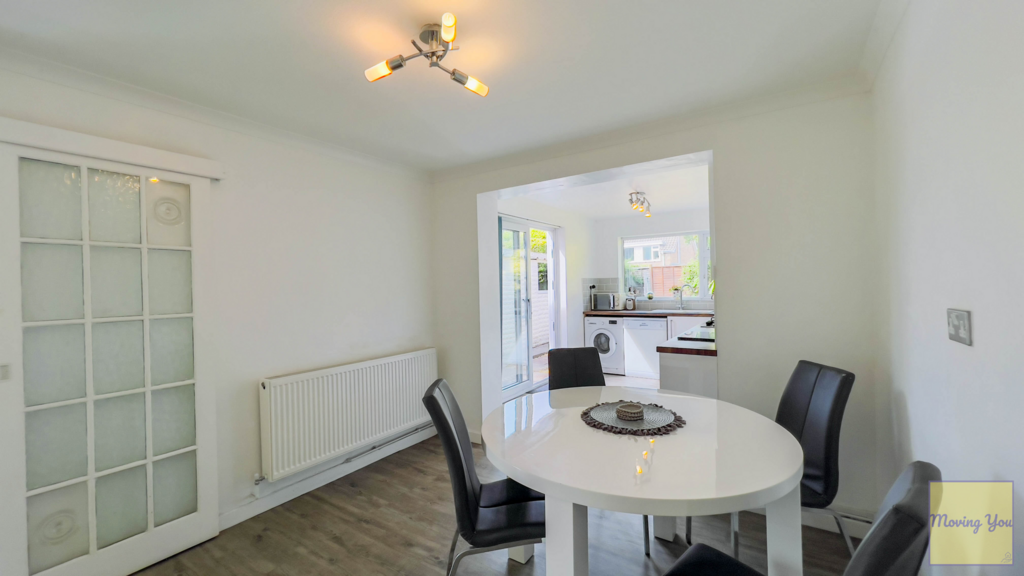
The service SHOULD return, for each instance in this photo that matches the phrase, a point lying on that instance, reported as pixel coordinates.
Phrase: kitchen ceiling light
(438, 38)
(638, 201)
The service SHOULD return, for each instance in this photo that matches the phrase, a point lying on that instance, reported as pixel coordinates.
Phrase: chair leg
(453, 563)
(449, 571)
(647, 537)
(734, 521)
(842, 530)
(458, 559)
(689, 530)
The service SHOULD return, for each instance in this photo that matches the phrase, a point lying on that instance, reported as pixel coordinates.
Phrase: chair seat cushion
(506, 491)
(703, 560)
(506, 524)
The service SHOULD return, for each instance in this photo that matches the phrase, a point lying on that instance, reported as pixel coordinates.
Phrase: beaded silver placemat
(657, 421)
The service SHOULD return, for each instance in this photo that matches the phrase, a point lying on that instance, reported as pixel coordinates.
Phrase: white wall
(607, 231)
(949, 126)
(578, 254)
(300, 239)
(795, 265)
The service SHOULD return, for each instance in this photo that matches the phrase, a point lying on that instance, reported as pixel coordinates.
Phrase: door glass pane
(116, 281)
(174, 487)
(51, 200)
(170, 282)
(51, 282)
(121, 506)
(170, 342)
(174, 419)
(120, 429)
(55, 445)
(114, 207)
(515, 345)
(168, 222)
(54, 363)
(117, 357)
(58, 527)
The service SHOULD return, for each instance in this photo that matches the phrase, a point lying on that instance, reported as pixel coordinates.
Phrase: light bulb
(385, 68)
(474, 85)
(648, 215)
(471, 84)
(641, 207)
(448, 27)
(377, 72)
(154, 180)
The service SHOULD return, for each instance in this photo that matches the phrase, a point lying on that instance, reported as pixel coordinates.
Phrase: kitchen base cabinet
(690, 373)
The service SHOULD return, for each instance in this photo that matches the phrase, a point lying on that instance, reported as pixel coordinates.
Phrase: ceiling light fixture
(438, 38)
(638, 201)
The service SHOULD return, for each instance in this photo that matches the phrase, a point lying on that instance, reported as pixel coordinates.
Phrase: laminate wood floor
(396, 517)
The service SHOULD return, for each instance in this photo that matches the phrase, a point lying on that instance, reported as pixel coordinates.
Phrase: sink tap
(680, 292)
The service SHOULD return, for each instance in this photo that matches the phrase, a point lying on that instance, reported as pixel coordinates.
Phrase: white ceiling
(670, 185)
(557, 70)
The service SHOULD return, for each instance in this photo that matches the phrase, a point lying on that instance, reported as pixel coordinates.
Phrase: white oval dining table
(725, 459)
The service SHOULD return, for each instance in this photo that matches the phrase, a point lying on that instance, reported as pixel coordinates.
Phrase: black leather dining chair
(492, 516)
(574, 367)
(812, 408)
(895, 545)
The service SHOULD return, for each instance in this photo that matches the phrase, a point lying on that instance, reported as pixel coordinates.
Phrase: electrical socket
(958, 324)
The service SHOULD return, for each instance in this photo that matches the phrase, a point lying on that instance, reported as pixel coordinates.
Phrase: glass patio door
(108, 434)
(516, 359)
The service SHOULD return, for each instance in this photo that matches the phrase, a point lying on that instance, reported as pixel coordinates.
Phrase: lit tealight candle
(640, 465)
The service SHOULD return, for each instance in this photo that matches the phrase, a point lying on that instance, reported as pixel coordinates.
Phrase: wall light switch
(5, 372)
(958, 322)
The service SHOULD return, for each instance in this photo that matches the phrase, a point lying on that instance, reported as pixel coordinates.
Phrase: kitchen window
(659, 264)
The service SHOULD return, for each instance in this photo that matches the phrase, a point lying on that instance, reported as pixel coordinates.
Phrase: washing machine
(607, 335)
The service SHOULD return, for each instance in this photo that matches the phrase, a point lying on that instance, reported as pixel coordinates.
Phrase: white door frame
(156, 543)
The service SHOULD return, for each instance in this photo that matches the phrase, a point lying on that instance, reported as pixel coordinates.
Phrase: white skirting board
(856, 528)
(267, 495)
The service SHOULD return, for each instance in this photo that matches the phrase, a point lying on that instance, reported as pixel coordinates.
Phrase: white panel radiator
(310, 418)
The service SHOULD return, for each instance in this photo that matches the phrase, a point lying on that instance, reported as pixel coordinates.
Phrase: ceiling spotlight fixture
(438, 38)
(638, 201)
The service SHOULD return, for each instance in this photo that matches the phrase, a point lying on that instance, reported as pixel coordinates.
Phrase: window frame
(703, 261)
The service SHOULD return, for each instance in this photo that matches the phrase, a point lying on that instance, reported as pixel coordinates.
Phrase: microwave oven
(603, 301)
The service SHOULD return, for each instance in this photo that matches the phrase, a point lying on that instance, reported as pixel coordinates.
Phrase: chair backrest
(574, 367)
(812, 409)
(458, 451)
(898, 540)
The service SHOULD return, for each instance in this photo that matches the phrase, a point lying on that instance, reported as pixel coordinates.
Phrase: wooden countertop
(648, 314)
(676, 346)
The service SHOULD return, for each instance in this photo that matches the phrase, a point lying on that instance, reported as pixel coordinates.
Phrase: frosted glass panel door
(104, 416)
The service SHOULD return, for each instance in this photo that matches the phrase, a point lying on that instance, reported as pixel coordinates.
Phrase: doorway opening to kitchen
(630, 265)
